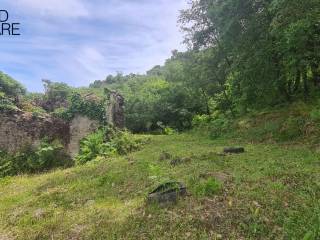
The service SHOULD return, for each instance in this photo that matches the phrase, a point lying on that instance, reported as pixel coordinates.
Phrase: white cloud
(54, 8)
(78, 41)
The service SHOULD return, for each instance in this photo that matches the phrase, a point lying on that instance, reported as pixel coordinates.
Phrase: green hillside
(269, 192)
(249, 77)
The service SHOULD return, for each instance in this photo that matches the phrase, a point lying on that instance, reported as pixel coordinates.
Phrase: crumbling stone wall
(18, 129)
(115, 110)
(80, 127)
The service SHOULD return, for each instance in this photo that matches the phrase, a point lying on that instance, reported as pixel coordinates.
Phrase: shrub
(62, 113)
(216, 125)
(208, 187)
(45, 157)
(6, 103)
(10, 86)
(292, 128)
(219, 126)
(107, 142)
(93, 146)
(92, 109)
(315, 115)
(125, 142)
(169, 131)
(200, 120)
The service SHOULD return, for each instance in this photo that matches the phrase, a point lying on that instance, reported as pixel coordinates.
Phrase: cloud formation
(79, 41)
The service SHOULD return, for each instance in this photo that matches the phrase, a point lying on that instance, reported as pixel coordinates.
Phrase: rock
(90, 203)
(233, 150)
(115, 110)
(168, 192)
(221, 177)
(39, 213)
(178, 161)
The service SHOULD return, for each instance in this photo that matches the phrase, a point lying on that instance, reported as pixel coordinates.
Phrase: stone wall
(80, 127)
(115, 110)
(18, 129)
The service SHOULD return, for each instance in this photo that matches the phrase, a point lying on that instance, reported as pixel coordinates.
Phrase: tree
(10, 87)
(261, 54)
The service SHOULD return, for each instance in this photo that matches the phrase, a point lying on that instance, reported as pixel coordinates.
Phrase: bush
(94, 145)
(107, 142)
(292, 128)
(6, 103)
(315, 115)
(125, 142)
(219, 126)
(29, 160)
(200, 120)
(94, 109)
(169, 131)
(163, 129)
(215, 125)
(10, 86)
(207, 187)
(62, 113)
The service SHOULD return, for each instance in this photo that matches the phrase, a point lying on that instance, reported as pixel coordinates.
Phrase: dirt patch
(220, 176)
(5, 236)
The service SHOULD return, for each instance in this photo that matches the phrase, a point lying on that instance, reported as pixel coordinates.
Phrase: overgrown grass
(269, 192)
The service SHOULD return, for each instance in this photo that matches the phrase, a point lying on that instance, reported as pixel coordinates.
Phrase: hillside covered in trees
(250, 77)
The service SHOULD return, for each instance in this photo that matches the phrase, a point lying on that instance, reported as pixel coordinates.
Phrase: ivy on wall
(78, 105)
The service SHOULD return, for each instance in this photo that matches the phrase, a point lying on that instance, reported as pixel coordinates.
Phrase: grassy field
(271, 191)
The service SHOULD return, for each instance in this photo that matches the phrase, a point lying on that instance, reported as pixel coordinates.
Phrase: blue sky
(79, 41)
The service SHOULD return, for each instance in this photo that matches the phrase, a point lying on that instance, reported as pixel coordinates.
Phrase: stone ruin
(115, 110)
(19, 129)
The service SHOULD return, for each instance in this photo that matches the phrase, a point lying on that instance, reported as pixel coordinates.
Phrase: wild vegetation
(250, 77)
(269, 192)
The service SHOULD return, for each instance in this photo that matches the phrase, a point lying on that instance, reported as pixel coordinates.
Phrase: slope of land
(269, 192)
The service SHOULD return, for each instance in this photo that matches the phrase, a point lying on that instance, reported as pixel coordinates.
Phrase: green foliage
(249, 54)
(62, 113)
(292, 128)
(6, 103)
(107, 142)
(95, 145)
(10, 87)
(157, 98)
(124, 142)
(29, 160)
(94, 109)
(10, 91)
(272, 193)
(220, 126)
(56, 92)
(169, 131)
(200, 120)
(315, 115)
(208, 187)
(215, 125)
